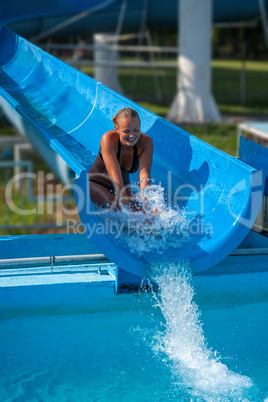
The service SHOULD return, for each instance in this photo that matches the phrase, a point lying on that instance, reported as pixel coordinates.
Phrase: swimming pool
(113, 356)
(129, 347)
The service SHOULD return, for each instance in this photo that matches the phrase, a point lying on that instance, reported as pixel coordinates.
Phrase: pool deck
(32, 284)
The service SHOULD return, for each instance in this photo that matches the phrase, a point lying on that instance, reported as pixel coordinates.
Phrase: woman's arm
(108, 150)
(146, 158)
(109, 143)
(145, 164)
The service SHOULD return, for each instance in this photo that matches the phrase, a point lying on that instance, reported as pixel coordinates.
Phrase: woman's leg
(102, 196)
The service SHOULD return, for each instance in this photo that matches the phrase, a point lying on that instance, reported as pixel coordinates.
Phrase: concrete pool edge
(52, 294)
(88, 287)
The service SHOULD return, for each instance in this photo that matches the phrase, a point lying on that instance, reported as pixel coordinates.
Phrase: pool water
(122, 356)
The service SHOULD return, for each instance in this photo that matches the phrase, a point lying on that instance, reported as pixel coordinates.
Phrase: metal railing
(35, 203)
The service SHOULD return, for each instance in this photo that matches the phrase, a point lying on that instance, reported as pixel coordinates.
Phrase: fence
(33, 200)
(153, 70)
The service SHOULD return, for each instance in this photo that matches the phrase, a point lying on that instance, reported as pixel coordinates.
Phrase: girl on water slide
(123, 150)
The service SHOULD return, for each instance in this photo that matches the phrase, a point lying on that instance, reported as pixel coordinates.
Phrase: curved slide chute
(71, 111)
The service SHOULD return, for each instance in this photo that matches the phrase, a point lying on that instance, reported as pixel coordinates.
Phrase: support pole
(18, 148)
(194, 101)
(105, 61)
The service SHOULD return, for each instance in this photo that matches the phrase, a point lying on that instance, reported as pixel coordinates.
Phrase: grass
(257, 111)
(221, 136)
(5, 129)
(251, 65)
(226, 84)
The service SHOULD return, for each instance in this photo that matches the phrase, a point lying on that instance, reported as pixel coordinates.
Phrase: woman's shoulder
(110, 138)
(110, 135)
(145, 141)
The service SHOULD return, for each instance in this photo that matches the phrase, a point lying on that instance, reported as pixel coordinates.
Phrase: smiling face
(129, 131)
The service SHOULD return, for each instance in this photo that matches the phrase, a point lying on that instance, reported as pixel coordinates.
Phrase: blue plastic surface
(32, 17)
(258, 132)
(255, 155)
(71, 111)
(16, 10)
(44, 245)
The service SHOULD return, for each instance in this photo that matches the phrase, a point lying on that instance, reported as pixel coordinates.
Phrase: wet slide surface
(217, 195)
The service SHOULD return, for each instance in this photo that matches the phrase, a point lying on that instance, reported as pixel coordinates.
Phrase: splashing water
(146, 233)
(194, 365)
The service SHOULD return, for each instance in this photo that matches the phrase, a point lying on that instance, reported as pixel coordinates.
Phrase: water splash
(195, 366)
(151, 232)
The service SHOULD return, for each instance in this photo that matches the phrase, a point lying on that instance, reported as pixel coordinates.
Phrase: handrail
(250, 251)
(51, 260)
(119, 48)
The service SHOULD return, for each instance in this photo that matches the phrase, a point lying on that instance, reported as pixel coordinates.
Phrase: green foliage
(5, 129)
(221, 136)
(227, 83)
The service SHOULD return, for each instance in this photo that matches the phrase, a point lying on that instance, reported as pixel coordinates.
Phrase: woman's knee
(102, 196)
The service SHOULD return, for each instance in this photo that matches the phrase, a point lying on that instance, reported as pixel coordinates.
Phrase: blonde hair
(127, 112)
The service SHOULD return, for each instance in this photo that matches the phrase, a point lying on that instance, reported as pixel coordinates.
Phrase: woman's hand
(155, 211)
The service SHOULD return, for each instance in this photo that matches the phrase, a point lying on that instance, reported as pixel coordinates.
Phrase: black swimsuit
(98, 172)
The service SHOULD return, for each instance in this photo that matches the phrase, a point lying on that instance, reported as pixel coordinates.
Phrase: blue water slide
(71, 111)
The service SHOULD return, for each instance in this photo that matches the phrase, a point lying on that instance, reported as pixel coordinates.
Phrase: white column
(105, 61)
(194, 101)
